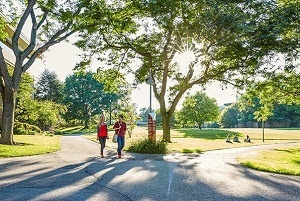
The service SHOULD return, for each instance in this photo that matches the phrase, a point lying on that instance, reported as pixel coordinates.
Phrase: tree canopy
(49, 87)
(224, 41)
(198, 109)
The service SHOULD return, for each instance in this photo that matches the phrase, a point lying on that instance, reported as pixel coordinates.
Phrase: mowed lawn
(210, 139)
(282, 161)
(28, 145)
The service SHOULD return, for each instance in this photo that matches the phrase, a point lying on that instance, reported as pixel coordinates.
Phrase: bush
(25, 129)
(148, 147)
(187, 151)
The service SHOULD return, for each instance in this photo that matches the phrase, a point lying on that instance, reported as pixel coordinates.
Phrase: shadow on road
(127, 179)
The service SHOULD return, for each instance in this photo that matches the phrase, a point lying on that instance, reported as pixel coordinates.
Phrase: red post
(151, 127)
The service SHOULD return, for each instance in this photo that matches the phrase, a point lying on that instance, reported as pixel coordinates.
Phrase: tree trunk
(199, 126)
(86, 123)
(166, 121)
(110, 115)
(263, 127)
(9, 101)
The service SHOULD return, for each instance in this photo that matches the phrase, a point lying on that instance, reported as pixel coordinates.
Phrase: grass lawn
(195, 140)
(29, 145)
(282, 161)
(74, 130)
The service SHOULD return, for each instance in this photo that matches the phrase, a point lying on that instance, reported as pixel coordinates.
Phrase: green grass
(292, 128)
(29, 145)
(281, 161)
(208, 139)
(74, 130)
(208, 134)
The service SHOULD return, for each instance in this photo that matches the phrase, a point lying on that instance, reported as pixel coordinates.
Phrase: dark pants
(121, 143)
(102, 141)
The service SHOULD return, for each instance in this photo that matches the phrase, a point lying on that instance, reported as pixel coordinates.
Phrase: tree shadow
(209, 134)
(135, 178)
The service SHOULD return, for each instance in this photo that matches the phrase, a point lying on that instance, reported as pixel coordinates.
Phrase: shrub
(148, 147)
(199, 151)
(25, 129)
(187, 151)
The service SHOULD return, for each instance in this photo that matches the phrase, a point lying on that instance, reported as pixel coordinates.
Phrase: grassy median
(281, 161)
(28, 145)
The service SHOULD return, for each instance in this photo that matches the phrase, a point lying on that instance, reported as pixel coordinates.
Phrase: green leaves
(49, 87)
(198, 109)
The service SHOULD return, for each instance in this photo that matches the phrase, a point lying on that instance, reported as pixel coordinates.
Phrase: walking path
(76, 173)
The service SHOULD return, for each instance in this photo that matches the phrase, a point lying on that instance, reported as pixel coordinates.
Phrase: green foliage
(230, 40)
(49, 87)
(144, 114)
(26, 129)
(49, 114)
(279, 89)
(148, 147)
(43, 114)
(83, 97)
(198, 109)
(3, 34)
(189, 151)
(229, 116)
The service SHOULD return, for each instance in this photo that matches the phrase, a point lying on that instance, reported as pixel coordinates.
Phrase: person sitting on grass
(228, 138)
(102, 133)
(236, 138)
(247, 139)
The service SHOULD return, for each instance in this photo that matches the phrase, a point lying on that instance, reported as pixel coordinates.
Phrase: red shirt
(122, 126)
(102, 130)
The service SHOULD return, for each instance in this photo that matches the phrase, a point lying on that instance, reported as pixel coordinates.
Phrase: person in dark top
(120, 130)
(102, 133)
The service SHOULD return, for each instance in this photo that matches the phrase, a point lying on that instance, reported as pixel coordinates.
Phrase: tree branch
(32, 44)
(44, 48)
(166, 65)
(16, 36)
(3, 70)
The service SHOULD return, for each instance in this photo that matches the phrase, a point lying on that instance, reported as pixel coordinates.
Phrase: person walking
(120, 130)
(102, 133)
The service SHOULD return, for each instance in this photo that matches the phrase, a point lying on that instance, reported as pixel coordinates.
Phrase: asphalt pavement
(76, 172)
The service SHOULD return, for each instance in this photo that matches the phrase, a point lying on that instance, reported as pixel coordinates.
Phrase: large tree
(198, 109)
(219, 40)
(229, 117)
(84, 97)
(49, 87)
(52, 21)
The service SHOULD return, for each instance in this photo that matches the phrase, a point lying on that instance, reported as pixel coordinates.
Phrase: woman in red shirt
(102, 132)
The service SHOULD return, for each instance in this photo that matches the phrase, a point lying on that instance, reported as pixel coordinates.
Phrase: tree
(282, 88)
(49, 87)
(198, 109)
(116, 88)
(84, 97)
(55, 22)
(229, 116)
(144, 114)
(49, 114)
(43, 114)
(223, 41)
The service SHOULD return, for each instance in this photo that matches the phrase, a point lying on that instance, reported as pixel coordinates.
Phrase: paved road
(76, 173)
